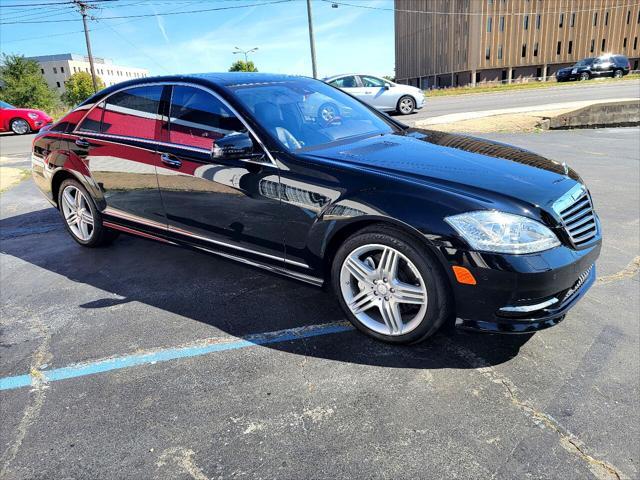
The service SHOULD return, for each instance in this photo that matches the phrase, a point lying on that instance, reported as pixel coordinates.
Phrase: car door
(602, 66)
(117, 142)
(231, 206)
(349, 84)
(375, 93)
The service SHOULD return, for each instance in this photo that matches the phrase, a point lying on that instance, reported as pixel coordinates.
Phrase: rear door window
(198, 118)
(93, 120)
(133, 113)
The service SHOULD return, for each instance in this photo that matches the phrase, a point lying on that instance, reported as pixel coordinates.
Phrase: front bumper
(521, 293)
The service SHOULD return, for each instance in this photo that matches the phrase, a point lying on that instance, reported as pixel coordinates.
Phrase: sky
(348, 38)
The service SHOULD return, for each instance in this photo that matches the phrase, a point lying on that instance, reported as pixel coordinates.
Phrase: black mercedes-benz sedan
(411, 228)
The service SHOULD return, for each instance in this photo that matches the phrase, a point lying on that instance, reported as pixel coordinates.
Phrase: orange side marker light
(464, 276)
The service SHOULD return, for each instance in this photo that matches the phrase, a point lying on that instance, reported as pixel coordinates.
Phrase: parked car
(22, 120)
(411, 228)
(615, 66)
(380, 93)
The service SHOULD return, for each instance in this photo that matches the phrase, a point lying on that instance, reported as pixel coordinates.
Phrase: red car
(22, 120)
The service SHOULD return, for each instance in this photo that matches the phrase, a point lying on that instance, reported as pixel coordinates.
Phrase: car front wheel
(617, 74)
(388, 287)
(81, 217)
(584, 76)
(406, 105)
(19, 126)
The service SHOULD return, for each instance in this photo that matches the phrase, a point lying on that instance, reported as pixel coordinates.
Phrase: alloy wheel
(584, 76)
(406, 105)
(77, 213)
(383, 289)
(20, 126)
(617, 74)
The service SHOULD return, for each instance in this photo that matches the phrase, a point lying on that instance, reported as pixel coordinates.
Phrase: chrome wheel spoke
(391, 316)
(363, 301)
(406, 293)
(388, 266)
(77, 213)
(87, 218)
(359, 270)
(68, 199)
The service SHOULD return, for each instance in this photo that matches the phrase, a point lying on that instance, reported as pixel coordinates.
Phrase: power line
(506, 14)
(161, 14)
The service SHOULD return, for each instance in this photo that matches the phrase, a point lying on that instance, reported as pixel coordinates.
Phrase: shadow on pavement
(231, 297)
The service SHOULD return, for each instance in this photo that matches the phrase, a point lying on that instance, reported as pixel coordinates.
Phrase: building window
(526, 22)
(487, 53)
(628, 17)
(561, 24)
(499, 52)
(489, 23)
(559, 49)
(58, 84)
(593, 45)
(524, 50)
(535, 49)
(55, 70)
(595, 19)
(502, 24)
(570, 49)
(61, 69)
(635, 43)
(573, 20)
(538, 21)
(604, 43)
(606, 18)
(624, 42)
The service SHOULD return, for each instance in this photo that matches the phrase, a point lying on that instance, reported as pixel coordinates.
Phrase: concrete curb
(610, 114)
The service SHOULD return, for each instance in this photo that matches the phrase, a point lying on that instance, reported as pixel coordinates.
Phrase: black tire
(618, 73)
(20, 126)
(100, 235)
(406, 105)
(327, 112)
(584, 76)
(439, 296)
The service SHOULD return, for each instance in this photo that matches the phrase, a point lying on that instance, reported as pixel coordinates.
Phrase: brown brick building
(442, 43)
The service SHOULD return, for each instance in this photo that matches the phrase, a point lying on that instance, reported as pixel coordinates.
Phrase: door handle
(81, 142)
(170, 160)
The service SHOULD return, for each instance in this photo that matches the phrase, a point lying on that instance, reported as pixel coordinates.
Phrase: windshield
(304, 113)
(5, 105)
(585, 62)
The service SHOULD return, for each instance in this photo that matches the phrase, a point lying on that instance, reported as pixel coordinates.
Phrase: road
(437, 106)
(321, 401)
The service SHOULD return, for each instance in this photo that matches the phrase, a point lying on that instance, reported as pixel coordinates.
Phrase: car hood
(25, 111)
(461, 162)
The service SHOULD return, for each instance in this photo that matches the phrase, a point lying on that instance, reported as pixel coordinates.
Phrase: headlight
(33, 116)
(499, 232)
(574, 71)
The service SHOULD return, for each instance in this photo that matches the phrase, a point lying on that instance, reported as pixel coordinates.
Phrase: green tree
(242, 66)
(78, 87)
(22, 84)
(391, 79)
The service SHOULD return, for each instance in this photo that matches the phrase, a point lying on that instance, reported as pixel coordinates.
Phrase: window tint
(371, 82)
(92, 121)
(345, 82)
(133, 113)
(198, 118)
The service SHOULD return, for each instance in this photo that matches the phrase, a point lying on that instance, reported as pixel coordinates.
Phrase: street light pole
(245, 53)
(83, 12)
(312, 42)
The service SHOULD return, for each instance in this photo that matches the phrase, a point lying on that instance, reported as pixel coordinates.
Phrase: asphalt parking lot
(146, 361)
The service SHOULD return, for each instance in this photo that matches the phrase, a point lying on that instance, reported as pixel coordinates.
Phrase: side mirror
(238, 146)
(387, 86)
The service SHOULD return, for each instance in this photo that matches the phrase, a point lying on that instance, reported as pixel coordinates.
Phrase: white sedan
(379, 92)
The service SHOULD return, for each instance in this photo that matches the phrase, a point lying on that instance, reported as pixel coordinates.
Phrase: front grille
(579, 219)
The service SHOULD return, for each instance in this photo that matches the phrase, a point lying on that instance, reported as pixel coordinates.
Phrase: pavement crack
(570, 442)
(41, 356)
(627, 272)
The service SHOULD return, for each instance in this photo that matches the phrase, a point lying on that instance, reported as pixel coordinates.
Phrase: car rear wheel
(20, 126)
(388, 288)
(617, 73)
(584, 76)
(81, 217)
(406, 105)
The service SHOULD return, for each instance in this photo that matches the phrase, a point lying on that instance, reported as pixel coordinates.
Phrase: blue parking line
(127, 361)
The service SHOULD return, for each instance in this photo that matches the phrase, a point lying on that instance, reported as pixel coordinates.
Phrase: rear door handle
(170, 160)
(81, 142)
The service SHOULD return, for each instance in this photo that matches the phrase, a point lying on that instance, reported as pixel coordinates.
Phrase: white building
(58, 68)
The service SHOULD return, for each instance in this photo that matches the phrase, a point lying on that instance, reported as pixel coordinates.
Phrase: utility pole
(311, 40)
(83, 11)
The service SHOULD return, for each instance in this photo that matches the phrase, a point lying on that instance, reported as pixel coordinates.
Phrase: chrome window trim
(75, 131)
(114, 212)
